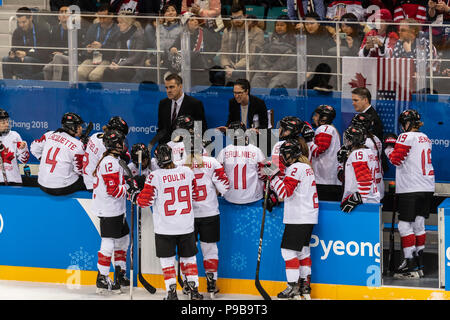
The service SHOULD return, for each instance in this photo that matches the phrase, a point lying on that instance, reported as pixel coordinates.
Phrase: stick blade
(261, 290)
(146, 285)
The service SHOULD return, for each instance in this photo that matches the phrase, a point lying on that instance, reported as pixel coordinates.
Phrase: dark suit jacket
(189, 106)
(255, 106)
(378, 125)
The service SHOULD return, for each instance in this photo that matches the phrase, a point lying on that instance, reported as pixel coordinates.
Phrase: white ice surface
(20, 290)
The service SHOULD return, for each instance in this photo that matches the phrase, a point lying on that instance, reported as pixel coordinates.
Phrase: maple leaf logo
(7, 156)
(359, 82)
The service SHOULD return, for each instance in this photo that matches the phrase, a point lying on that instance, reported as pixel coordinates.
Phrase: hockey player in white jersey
(291, 127)
(61, 157)
(211, 179)
(243, 163)
(414, 187)
(95, 148)
(12, 148)
(134, 164)
(359, 170)
(170, 191)
(109, 204)
(323, 148)
(365, 121)
(301, 209)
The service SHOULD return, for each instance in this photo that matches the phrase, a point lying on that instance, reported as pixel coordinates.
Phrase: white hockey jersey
(377, 150)
(109, 193)
(359, 175)
(412, 157)
(242, 165)
(275, 155)
(178, 154)
(93, 153)
(11, 153)
(171, 193)
(323, 152)
(298, 189)
(61, 157)
(209, 177)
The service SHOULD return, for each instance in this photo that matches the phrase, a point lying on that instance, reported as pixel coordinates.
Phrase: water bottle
(27, 170)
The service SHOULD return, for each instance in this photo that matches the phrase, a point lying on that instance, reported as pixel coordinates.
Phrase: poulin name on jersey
(64, 141)
(174, 177)
(240, 154)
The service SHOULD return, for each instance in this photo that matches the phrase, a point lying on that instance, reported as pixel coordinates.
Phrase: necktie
(174, 112)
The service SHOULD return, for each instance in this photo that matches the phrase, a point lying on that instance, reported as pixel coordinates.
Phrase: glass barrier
(270, 53)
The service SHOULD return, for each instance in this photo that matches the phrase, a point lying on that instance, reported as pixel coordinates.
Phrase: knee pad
(419, 225)
(405, 228)
(107, 247)
(122, 243)
(288, 254)
(305, 253)
(167, 262)
(209, 250)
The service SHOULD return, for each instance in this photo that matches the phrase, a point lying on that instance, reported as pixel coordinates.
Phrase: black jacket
(36, 37)
(378, 125)
(189, 106)
(255, 106)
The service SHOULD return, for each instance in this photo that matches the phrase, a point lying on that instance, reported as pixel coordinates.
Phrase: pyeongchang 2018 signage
(345, 247)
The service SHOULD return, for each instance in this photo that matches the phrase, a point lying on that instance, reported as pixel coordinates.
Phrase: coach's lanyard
(34, 38)
(106, 37)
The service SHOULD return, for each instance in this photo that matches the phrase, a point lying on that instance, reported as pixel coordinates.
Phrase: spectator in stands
(169, 30)
(138, 7)
(202, 8)
(380, 41)
(406, 46)
(129, 42)
(58, 39)
(320, 78)
(55, 5)
(201, 40)
(100, 35)
(233, 56)
(412, 9)
(351, 35)
(26, 43)
(299, 12)
(319, 43)
(439, 16)
(282, 42)
(336, 9)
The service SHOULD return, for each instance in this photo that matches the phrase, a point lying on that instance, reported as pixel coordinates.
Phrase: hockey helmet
(163, 155)
(5, 116)
(238, 129)
(290, 151)
(411, 116)
(71, 121)
(117, 123)
(354, 136)
(185, 122)
(113, 140)
(326, 113)
(293, 124)
(134, 153)
(363, 120)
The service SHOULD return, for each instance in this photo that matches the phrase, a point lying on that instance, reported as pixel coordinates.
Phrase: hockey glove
(307, 132)
(342, 154)
(389, 140)
(340, 175)
(139, 181)
(351, 202)
(272, 201)
(133, 193)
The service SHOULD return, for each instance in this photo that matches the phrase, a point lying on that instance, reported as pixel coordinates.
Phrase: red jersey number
(183, 194)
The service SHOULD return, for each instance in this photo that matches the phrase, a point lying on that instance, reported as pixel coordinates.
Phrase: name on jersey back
(174, 177)
(240, 154)
(63, 141)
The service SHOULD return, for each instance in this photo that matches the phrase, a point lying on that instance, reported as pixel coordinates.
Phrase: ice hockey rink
(21, 290)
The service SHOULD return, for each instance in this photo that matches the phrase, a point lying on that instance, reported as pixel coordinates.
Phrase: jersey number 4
(50, 160)
(183, 195)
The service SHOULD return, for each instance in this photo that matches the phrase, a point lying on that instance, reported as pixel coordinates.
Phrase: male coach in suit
(361, 100)
(251, 110)
(176, 104)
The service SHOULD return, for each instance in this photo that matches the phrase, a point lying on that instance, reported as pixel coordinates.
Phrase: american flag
(395, 84)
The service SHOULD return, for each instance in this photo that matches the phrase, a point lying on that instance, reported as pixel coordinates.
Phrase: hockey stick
(155, 139)
(84, 138)
(258, 285)
(391, 265)
(132, 251)
(144, 282)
